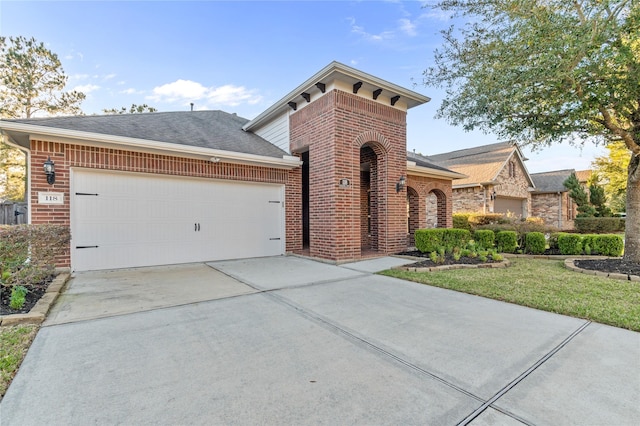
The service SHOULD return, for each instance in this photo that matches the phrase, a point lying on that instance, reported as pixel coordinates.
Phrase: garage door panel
(141, 220)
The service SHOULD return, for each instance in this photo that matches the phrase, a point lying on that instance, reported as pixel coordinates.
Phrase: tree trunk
(632, 228)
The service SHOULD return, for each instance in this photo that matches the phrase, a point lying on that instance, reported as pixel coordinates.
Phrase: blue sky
(242, 56)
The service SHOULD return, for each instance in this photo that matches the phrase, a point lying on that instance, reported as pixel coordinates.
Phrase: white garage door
(121, 220)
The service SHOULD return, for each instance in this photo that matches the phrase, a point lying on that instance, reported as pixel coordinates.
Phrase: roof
(338, 71)
(423, 163)
(551, 181)
(216, 130)
(583, 175)
(481, 164)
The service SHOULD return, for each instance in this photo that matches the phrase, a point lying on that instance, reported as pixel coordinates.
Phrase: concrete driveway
(287, 340)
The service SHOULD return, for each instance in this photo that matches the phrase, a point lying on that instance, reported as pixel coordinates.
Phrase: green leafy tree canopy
(547, 71)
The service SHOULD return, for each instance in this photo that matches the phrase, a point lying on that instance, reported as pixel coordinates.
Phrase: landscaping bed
(616, 266)
(34, 293)
(448, 260)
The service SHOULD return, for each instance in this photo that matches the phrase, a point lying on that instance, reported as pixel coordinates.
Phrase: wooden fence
(13, 213)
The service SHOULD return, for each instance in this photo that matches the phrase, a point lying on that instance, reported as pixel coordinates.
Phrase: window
(512, 169)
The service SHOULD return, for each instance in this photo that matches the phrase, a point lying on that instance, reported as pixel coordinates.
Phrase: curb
(569, 264)
(39, 312)
(505, 263)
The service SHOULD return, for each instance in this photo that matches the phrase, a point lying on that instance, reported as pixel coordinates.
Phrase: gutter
(34, 131)
(27, 166)
(413, 168)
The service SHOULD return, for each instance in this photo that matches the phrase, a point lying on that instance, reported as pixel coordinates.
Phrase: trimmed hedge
(570, 244)
(428, 240)
(599, 225)
(535, 243)
(609, 245)
(484, 238)
(507, 241)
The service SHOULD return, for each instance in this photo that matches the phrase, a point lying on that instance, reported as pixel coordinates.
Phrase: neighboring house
(550, 199)
(323, 172)
(497, 181)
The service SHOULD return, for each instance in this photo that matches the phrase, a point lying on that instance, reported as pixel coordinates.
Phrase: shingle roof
(551, 181)
(480, 164)
(583, 175)
(206, 129)
(423, 161)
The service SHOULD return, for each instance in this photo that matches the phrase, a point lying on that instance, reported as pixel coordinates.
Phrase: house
(497, 181)
(550, 199)
(322, 172)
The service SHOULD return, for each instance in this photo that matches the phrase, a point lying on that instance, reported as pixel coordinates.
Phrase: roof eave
(430, 172)
(35, 132)
(282, 105)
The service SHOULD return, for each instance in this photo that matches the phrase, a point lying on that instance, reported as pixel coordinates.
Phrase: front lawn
(14, 343)
(545, 285)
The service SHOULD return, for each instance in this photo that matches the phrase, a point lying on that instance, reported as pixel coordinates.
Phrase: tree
(31, 82)
(598, 198)
(579, 196)
(12, 175)
(612, 169)
(544, 72)
(133, 110)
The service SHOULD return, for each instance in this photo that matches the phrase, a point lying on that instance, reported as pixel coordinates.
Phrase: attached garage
(124, 220)
(515, 206)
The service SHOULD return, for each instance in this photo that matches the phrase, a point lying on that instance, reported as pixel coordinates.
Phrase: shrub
(590, 244)
(28, 252)
(484, 238)
(535, 243)
(610, 245)
(479, 219)
(428, 240)
(461, 221)
(570, 244)
(18, 297)
(599, 225)
(507, 241)
(455, 238)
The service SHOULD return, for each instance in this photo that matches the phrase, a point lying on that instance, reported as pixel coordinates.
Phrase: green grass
(545, 285)
(14, 343)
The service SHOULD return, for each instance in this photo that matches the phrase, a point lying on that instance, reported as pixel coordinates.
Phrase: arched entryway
(436, 207)
(371, 194)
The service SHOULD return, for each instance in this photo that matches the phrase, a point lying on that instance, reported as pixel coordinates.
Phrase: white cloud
(79, 76)
(407, 27)
(109, 76)
(181, 91)
(131, 91)
(86, 88)
(376, 38)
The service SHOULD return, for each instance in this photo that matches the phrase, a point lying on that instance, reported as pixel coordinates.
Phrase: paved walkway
(288, 340)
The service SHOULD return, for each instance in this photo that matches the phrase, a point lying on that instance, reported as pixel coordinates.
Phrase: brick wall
(334, 128)
(66, 156)
(430, 204)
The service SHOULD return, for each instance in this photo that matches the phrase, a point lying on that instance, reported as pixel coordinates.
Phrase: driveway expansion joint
(489, 403)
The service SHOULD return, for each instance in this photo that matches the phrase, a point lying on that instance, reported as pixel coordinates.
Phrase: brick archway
(436, 209)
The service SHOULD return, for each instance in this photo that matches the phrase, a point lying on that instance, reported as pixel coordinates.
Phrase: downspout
(484, 199)
(560, 210)
(27, 152)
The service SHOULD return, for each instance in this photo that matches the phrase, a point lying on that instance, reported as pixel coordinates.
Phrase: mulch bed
(618, 266)
(32, 297)
(603, 265)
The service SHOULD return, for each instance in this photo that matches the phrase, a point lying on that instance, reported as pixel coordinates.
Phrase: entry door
(124, 220)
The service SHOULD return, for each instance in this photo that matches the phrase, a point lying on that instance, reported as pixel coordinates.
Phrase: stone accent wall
(65, 156)
(469, 200)
(556, 210)
(513, 186)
